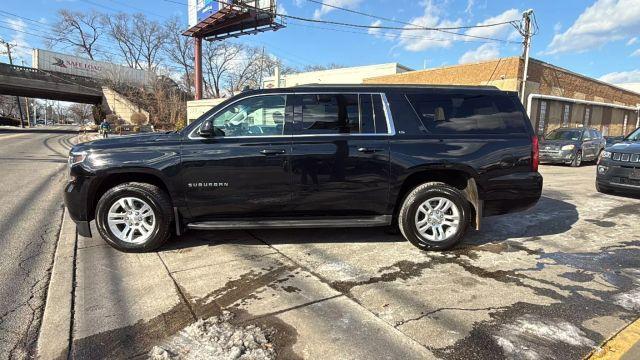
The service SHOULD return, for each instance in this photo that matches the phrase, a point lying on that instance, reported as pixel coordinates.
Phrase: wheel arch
(112, 179)
(460, 178)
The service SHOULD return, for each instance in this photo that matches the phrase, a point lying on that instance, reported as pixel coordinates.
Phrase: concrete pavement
(552, 282)
(33, 171)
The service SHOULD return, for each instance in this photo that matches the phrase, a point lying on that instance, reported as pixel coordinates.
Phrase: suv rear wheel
(434, 216)
(134, 217)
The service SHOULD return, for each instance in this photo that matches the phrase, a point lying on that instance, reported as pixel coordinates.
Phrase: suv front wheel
(134, 217)
(434, 216)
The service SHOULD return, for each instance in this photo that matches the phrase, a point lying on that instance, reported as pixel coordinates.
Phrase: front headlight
(606, 155)
(77, 157)
(568, 147)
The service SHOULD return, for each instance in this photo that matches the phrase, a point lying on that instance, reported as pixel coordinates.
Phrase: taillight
(535, 153)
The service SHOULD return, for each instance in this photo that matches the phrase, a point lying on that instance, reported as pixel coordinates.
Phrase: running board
(382, 220)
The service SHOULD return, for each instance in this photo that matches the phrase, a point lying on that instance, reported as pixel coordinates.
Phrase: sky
(598, 38)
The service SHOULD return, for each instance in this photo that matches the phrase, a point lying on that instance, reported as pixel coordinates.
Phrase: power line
(360, 26)
(443, 29)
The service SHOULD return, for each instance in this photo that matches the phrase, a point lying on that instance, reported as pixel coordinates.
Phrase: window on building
(566, 115)
(587, 116)
(542, 116)
(468, 113)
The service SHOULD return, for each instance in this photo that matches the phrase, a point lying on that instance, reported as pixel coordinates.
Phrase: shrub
(138, 118)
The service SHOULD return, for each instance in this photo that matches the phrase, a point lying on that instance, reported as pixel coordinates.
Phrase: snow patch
(216, 338)
(629, 300)
(532, 338)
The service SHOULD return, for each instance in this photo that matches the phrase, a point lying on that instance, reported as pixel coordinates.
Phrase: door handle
(272, 151)
(369, 150)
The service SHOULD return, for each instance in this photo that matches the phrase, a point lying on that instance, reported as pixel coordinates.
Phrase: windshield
(635, 136)
(573, 135)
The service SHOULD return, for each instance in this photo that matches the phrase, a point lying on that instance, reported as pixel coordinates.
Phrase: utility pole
(9, 47)
(526, 17)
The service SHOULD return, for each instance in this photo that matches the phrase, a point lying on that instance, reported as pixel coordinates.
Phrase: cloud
(500, 31)
(469, 9)
(281, 10)
(22, 52)
(622, 77)
(557, 27)
(632, 41)
(375, 32)
(604, 21)
(324, 9)
(298, 3)
(412, 40)
(636, 53)
(484, 52)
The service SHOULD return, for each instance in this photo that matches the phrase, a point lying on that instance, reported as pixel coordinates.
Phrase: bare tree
(151, 37)
(318, 67)
(218, 60)
(178, 50)
(80, 30)
(121, 30)
(80, 112)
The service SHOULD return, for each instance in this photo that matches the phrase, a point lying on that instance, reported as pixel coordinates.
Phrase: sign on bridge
(52, 61)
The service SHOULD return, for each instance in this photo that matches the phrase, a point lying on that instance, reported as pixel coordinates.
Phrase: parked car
(611, 140)
(429, 160)
(571, 146)
(619, 166)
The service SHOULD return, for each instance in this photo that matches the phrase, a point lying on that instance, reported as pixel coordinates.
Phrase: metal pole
(198, 67)
(527, 44)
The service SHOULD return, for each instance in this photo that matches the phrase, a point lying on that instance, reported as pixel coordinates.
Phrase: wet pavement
(552, 282)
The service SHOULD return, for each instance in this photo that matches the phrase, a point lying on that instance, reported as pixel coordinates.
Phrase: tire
(413, 211)
(577, 160)
(132, 196)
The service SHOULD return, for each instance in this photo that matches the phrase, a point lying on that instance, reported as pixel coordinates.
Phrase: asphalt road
(33, 167)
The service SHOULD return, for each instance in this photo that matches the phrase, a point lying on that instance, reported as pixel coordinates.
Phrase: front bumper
(624, 177)
(76, 199)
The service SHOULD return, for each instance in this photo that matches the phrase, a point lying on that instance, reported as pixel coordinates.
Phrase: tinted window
(329, 114)
(573, 135)
(380, 117)
(367, 121)
(326, 114)
(459, 113)
(254, 116)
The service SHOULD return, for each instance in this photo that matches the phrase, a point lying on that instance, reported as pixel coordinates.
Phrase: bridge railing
(37, 74)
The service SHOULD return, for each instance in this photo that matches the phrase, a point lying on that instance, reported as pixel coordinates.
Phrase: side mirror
(206, 129)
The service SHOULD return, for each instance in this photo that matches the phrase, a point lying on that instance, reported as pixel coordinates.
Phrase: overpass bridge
(34, 83)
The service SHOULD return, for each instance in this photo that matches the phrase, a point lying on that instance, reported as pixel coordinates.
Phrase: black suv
(430, 160)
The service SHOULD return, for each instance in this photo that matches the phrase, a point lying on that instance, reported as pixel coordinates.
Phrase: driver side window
(254, 116)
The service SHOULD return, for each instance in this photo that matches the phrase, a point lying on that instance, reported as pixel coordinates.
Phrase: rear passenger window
(328, 114)
(468, 113)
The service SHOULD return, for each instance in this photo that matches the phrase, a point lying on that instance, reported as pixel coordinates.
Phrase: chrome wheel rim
(131, 220)
(437, 219)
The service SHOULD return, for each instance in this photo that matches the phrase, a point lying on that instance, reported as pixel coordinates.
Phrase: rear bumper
(513, 193)
(556, 157)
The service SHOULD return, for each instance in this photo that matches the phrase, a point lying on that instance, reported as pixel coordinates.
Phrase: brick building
(554, 96)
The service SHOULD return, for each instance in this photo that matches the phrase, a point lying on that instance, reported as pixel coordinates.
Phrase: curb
(55, 331)
(623, 345)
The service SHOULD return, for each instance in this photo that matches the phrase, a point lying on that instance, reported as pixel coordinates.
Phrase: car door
(244, 169)
(340, 155)
(587, 145)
